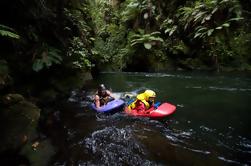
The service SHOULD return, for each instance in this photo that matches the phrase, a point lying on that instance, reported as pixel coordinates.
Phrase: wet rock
(19, 119)
(38, 152)
(48, 95)
(10, 99)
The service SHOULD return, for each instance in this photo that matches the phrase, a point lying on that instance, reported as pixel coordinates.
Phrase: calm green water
(210, 127)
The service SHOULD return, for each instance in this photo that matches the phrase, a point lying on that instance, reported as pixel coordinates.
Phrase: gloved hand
(156, 105)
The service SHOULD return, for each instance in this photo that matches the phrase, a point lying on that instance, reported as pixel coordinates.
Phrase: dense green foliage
(117, 35)
(47, 34)
(199, 34)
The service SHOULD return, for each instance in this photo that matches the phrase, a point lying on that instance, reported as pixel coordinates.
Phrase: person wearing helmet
(144, 101)
(102, 96)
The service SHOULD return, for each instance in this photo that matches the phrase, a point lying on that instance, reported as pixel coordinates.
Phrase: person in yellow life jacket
(144, 101)
(102, 96)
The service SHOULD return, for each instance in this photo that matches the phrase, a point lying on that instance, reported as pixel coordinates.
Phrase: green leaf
(147, 45)
(37, 65)
(226, 25)
(201, 29)
(8, 31)
(199, 15)
(236, 19)
(209, 32)
(215, 9)
(197, 35)
(208, 17)
(9, 34)
(173, 30)
(133, 43)
(170, 21)
(155, 33)
(168, 30)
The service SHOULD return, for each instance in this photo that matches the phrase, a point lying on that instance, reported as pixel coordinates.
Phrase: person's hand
(149, 110)
(156, 105)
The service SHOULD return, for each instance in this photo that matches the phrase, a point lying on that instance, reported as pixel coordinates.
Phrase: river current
(211, 126)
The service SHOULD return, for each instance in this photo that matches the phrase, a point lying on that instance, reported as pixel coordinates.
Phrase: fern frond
(8, 32)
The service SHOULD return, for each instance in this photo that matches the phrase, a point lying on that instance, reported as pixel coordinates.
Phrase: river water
(211, 125)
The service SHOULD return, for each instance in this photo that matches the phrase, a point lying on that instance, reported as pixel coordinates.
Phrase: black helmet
(101, 87)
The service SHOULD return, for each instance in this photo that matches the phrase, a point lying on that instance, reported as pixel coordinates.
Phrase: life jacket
(141, 97)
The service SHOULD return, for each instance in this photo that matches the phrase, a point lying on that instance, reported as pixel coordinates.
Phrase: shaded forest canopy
(138, 35)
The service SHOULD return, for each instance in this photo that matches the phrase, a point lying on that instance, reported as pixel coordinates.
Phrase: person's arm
(140, 106)
(97, 101)
(150, 109)
(109, 93)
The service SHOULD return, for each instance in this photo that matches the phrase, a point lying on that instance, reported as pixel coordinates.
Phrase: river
(211, 125)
